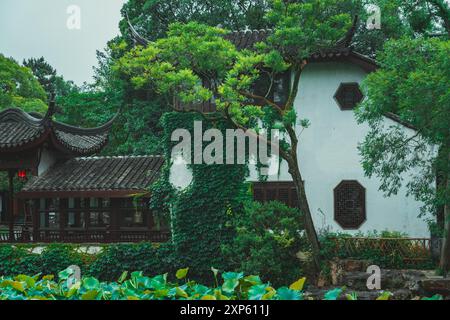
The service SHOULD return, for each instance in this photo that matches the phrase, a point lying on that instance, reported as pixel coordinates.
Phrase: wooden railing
(411, 250)
(85, 236)
(4, 236)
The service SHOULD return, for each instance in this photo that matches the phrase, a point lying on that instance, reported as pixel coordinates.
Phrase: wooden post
(114, 207)
(445, 253)
(63, 217)
(87, 218)
(11, 205)
(35, 220)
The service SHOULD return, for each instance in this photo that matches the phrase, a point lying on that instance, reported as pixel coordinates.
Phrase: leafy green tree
(135, 130)
(19, 88)
(153, 17)
(144, 107)
(139, 130)
(48, 78)
(193, 54)
(412, 83)
(399, 18)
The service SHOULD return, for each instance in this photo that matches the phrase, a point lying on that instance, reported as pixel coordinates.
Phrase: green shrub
(107, 265)
(16, 260)
(56, 257)
(20, 260)
(268, 239)
(116, 258)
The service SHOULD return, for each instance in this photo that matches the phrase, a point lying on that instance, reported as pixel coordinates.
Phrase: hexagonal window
(348, 95)
(350, 204)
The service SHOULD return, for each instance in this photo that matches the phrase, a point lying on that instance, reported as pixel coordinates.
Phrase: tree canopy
(412, 83)
(48, 78)
(400, 18)
(194, 63)
(153, 17)
(19, 88)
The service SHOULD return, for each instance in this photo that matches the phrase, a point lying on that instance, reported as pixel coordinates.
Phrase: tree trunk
(440, 210)
(304, 208)
(441, 186)
(445, 253)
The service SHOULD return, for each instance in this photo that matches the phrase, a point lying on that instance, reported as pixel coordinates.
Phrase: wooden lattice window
(3, 206)
(350, 204)
(276, 89)
(348, 95)
(280, 191)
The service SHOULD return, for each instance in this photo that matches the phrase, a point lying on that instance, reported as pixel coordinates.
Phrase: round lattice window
(350, 204)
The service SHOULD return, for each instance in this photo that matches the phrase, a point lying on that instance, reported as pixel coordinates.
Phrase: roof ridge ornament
(103, 129)
(137, 38)
(346, 40)
(32, 130)
(50, 111)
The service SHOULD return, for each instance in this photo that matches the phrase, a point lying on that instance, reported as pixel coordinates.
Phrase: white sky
(35, 28)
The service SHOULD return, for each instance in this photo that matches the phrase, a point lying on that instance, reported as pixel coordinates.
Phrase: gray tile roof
(14, 134)
(19, 129)
(98, 174)
(246, 39)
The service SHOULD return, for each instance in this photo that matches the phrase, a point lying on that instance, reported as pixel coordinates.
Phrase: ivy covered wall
(200, 213)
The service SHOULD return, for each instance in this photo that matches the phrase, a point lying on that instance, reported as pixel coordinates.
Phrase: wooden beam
(79, 194)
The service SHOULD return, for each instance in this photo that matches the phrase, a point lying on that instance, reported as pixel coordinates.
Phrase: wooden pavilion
(66, 194)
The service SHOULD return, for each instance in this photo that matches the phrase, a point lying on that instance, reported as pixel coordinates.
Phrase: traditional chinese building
(65, 194)
(340, 195)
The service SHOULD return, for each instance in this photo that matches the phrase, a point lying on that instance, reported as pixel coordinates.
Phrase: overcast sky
(35, 28)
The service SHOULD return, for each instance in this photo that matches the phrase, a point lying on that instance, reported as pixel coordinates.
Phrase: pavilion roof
(96, 176)
(21, 131)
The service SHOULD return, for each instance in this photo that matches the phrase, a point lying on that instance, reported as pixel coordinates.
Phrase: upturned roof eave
(47, 129)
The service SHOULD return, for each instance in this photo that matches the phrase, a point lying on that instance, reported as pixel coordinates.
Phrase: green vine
(200, 214)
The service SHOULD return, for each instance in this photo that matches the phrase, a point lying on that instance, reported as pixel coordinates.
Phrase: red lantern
(22, 174)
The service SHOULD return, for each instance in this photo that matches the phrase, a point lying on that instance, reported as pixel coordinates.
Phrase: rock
(435, 286)
(336, 272)
(402, 294)
(322, 281)
(390, 280)
(412, 279)
(351, 265)
(315, 293)
(339, 267)
(355, 280)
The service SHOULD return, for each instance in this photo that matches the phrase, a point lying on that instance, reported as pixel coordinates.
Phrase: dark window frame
(276, 190)
(341, 98)
(4, 212)
(346, 215)
(280, 86)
